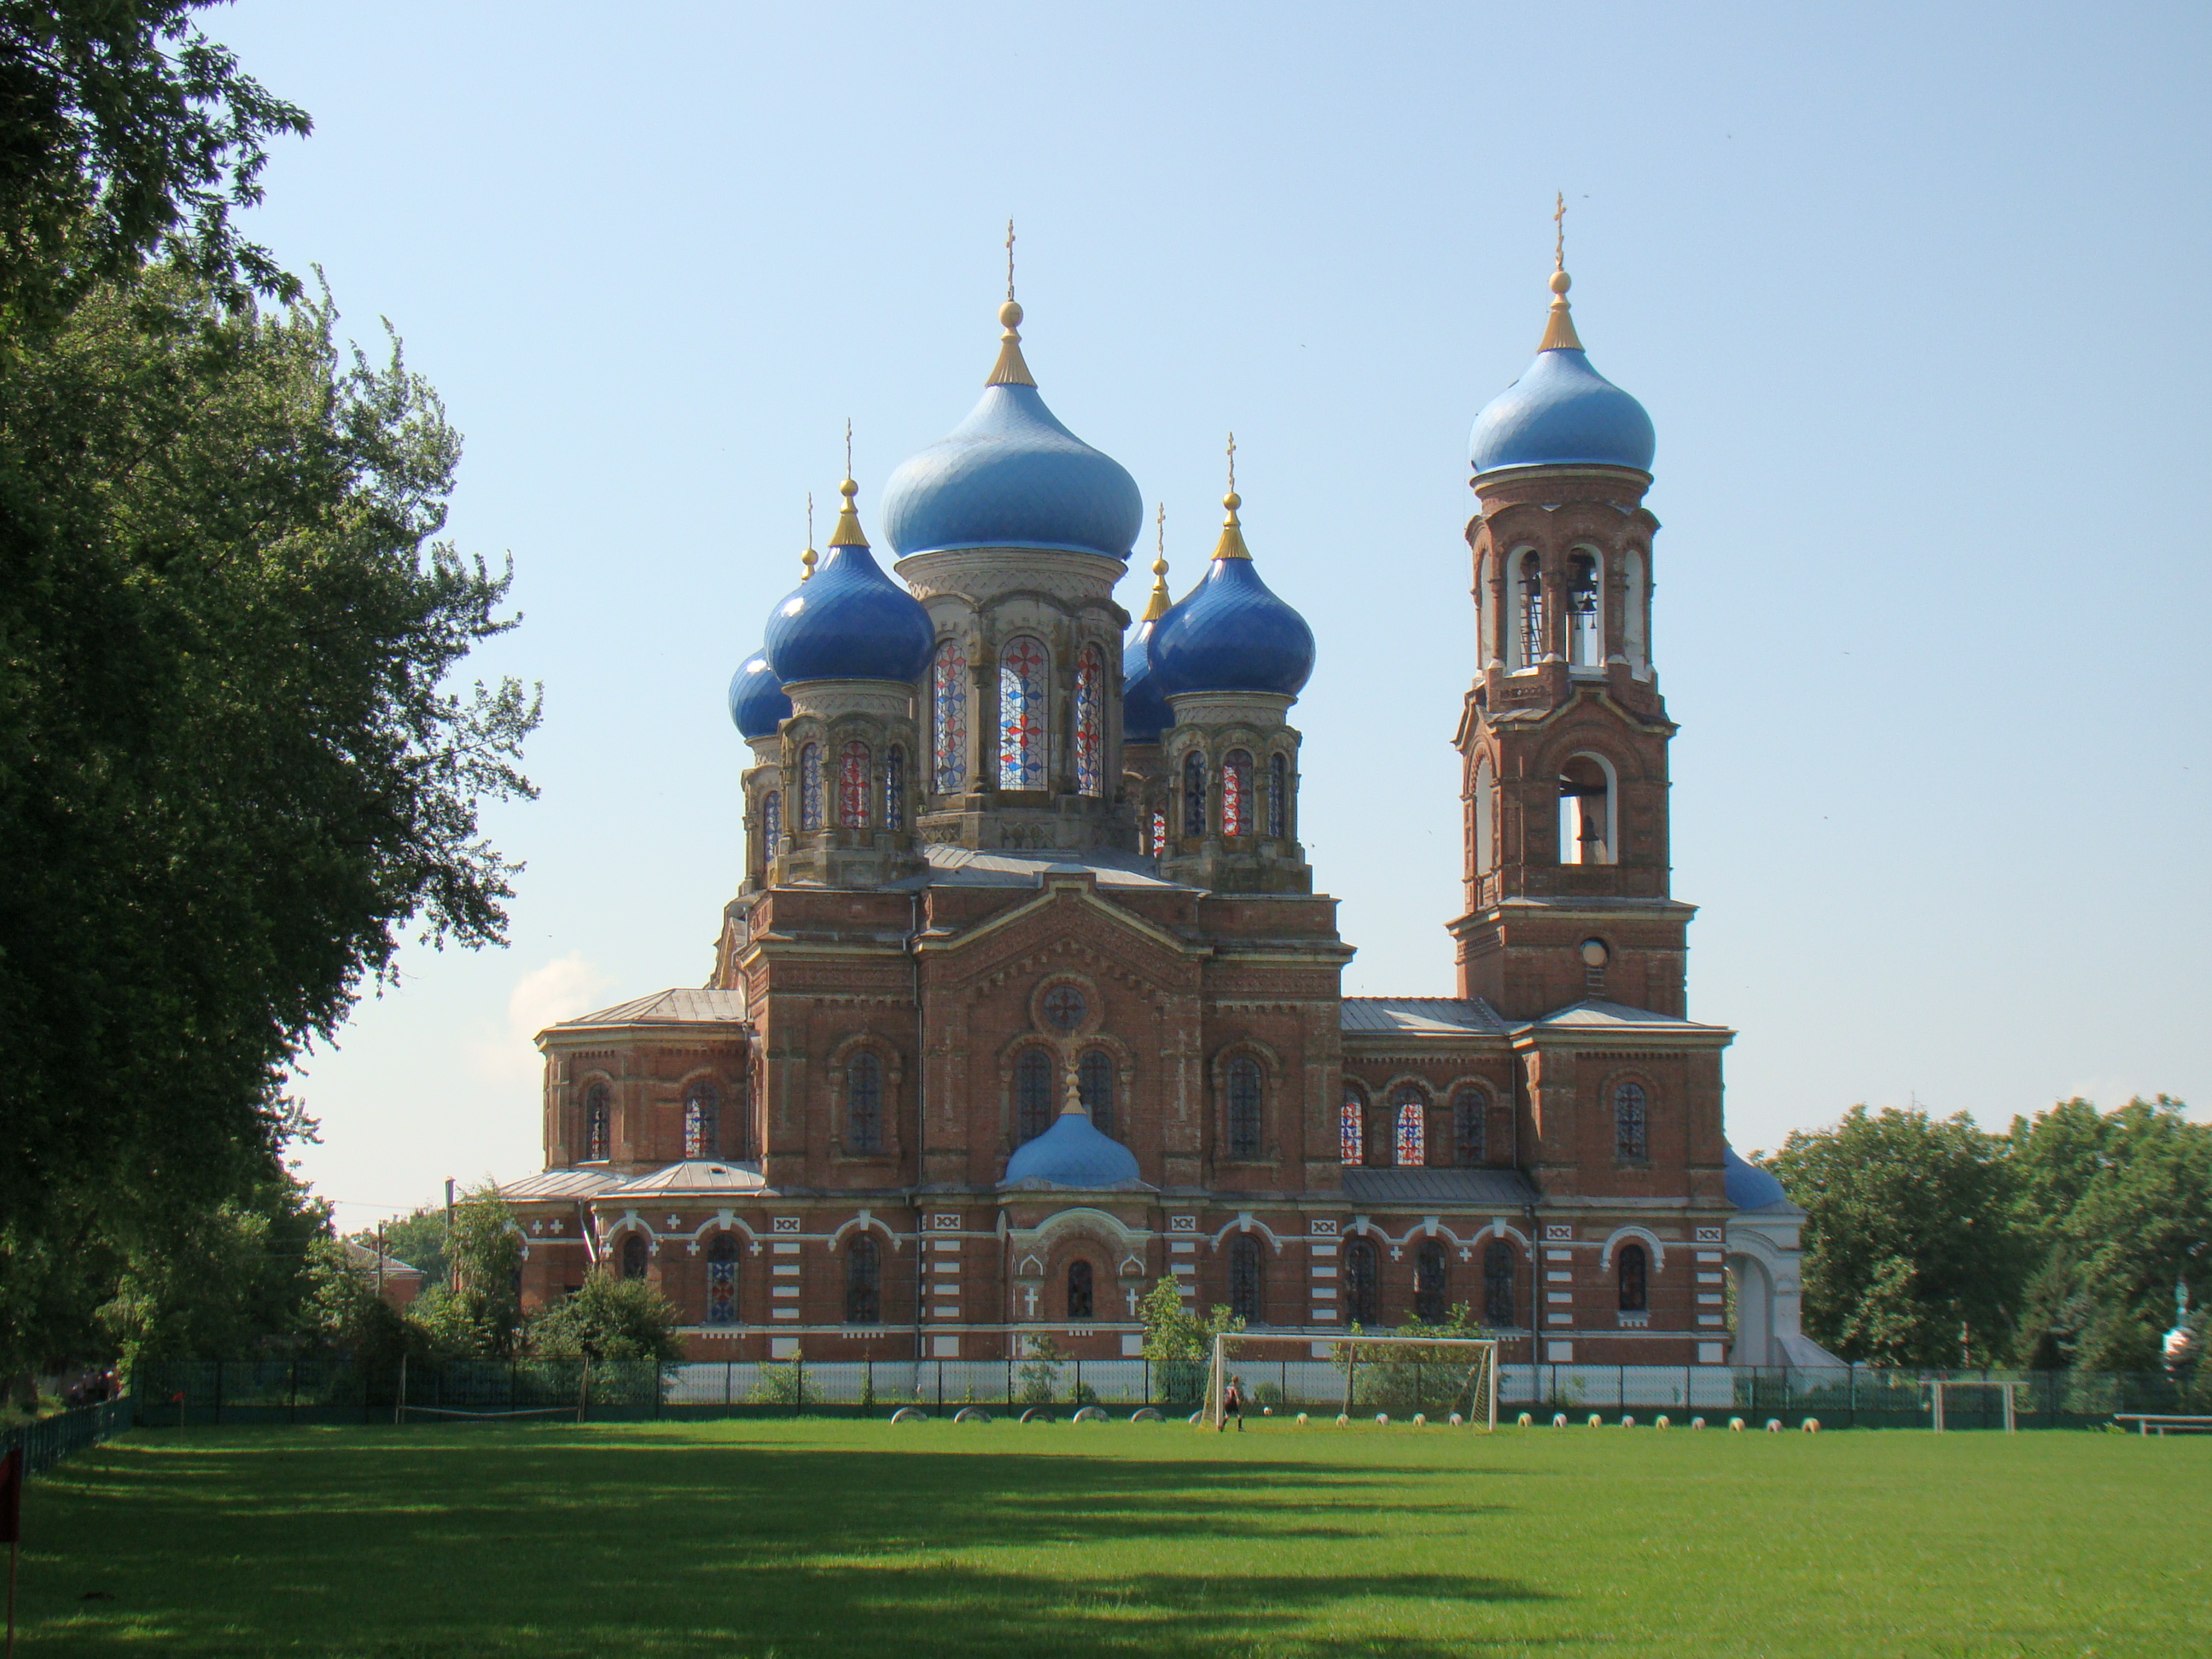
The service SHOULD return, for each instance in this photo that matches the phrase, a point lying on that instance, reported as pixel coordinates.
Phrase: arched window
(1486, 818)
(1363, 1267)
(1634, 634)
(1244, 1094)
(1032, 1094)
(1351, 1131)
(702, 1120)
(1090, 721)
(1411, 1124)
(1236, 792)
(1586, 811)
(1497, 1284)
(1193, 793)
(853, 786)
(1024, 713)
(1094, 1079)
(771, 825)
(864, 1104)
(722, 1280)
(1079, 1284)
(1430, 1278)
(809, 787)
(1631, 1128)
(1159, 831)
(948, 716)
(1629, 1264)
(864, 1280)
(1278, 796)
(1470, 1126)
(1530, 644)
(1585, 620)
(633, 1254)
(1244, 1278)
(895, 790)
(598, 1123)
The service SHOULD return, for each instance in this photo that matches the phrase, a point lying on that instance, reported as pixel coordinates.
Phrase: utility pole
(379, 1262)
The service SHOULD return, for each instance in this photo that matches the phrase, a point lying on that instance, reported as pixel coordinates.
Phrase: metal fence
(49, 1440)
(181, 1393)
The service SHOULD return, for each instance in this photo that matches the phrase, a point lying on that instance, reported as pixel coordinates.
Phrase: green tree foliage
(418, 1240)
(124, 130)
(478, 1311)
(609, 1318)
(1913, 1251)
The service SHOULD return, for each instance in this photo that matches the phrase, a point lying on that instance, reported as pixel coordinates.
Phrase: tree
(1913, 1251)
(418, 1240)
(1179, 1343)
(609, 1318)
(233, 771)
(478, 1310)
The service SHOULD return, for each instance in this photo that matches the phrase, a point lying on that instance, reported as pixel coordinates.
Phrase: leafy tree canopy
(609, 1318)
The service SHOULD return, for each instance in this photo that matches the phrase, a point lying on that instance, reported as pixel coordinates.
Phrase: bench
(2162, 1424)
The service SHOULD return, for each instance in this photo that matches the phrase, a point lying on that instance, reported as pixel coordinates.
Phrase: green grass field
(820, 1538)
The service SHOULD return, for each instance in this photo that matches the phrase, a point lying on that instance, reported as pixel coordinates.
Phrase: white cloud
(562, 989)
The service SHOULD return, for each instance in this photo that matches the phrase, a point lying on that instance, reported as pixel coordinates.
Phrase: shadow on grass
(576, 1543)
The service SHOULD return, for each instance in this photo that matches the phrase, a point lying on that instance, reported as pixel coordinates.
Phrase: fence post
(728, 1367)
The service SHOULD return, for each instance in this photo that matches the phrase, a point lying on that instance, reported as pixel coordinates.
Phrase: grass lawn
(820, 1538)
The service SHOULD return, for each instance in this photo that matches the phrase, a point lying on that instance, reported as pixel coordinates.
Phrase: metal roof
(1495, 1188)
(676, 1007)
(561, 1183)
(1596, 1014)
(1421, 1015)
(966, 866)
(693, 1177)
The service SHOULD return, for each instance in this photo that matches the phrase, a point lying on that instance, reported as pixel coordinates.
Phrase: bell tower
(1563, 736)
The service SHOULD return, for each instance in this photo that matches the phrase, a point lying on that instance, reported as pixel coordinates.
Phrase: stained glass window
(1237, 793)
(1095, 1079)
(1498, 1285)
(1079, 1286)
(864, 1280)
(1193, 793)
(1630, 1127)
(1244, 1278)
(895, 790)
(1024, 713)
(853, 786)
(1351, 1130)
(771, 825)
(1412, 1129)
(864, 1104)
(1431, 1276)
(948, 718)
(1363, 1267)
(1244, 1107)
(809, 787)
(722, 1280)
(1159, 831)
(702, 1120)
(1090, 722)
(1064, 1007)
(633, 1253)
(1032, 1094)
(1278, 796)
(599, 1122)
(1470, 1127)
(1634, 1293)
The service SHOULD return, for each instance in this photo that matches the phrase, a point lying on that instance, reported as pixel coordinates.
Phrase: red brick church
(1027, 1002)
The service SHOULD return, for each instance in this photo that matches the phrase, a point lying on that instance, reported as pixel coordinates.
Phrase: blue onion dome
(1230, 633)
(1561, 412)
(1749, 1187)
(848, 621)
(1145, 711)
(1011, 476)
(1073, 1153)
(757, 705)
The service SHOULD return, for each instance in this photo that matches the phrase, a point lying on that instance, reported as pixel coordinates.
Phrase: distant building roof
(1421, 1015)
(561, 1183)
(966, 867)
(1498, 1188)
(692, 1176)
(676, 1007)
(360, 1256)
(1595, 1014)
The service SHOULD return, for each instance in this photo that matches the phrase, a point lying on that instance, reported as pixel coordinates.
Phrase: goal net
(1402, 1376)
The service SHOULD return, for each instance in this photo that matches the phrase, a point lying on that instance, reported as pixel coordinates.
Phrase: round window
(1064, 1007)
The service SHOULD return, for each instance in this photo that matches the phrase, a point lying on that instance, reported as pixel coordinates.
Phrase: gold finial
(1158, 605)
(1559, 328)
(806, 559)
(848, 533)
(1010, 369)
(848, 446)
(1071, 1101)
(1231, 545)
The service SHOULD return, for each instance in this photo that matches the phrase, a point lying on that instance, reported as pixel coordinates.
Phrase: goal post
(1938, 1386)
(1473, 1359)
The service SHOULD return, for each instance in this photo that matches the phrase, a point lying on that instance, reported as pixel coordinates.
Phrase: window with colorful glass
(809, 787)
(1237, 793)
(895, 789)
(948, 716)
(1090, 721)
(1024, 713)
(702, 1120)
(852, 770)
(1159, 831)
(1411, 1112)
(1351, 1129)
(722, 1280)
(771, 825)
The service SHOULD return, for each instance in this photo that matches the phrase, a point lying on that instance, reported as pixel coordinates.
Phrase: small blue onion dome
(1072, 1154)
(757, 705)
(1230, 633)
(848, 621)
(1145, 711)
(1561, 412)
(1011, 476)
(1749, 1187)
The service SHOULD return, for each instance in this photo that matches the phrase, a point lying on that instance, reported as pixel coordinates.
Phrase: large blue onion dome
(1073, 1153)
(1145, 711)
(1230, 633)
(757, 705)
(1011, 476)
(1749, 1187)
(1561, 412)
(848, 621)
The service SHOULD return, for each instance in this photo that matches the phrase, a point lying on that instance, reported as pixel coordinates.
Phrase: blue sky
(1914, 294)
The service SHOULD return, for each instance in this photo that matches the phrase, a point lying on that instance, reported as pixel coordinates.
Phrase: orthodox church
(1026, 1002)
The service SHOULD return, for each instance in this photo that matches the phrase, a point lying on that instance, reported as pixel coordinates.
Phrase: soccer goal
(1327, 1370)
(1940, 1385)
